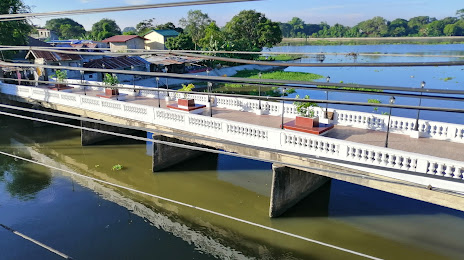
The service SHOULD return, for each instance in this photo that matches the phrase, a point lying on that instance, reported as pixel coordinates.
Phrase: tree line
(419, 26)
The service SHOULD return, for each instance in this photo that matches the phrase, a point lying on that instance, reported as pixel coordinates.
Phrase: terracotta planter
(307, 121)
(186, 102)
(60, 86)
(111, 92)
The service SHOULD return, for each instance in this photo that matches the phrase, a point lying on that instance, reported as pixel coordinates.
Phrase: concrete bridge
(430, 168)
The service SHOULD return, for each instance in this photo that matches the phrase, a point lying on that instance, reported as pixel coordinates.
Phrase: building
(120, 43)
(133, 63)
(45, 34)
(56, 59)
(156, 39)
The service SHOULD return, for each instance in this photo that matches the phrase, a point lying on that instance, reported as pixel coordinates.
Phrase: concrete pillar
(165, 156)
(289, 186)
(92, 137)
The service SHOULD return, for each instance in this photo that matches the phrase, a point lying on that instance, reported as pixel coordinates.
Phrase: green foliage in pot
(187, 88)
(110, 80)
(61, 75)
(305, 109)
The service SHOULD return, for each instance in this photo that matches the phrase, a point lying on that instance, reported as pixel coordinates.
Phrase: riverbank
(373, 40)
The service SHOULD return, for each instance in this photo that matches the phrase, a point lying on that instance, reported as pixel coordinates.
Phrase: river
(88, 220)
(448, 77)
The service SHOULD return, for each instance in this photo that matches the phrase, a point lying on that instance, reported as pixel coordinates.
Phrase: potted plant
(306, 116)
(111, 81)
(184, 101)
(61, 76)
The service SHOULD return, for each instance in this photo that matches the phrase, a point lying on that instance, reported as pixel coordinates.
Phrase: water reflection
(21, 181)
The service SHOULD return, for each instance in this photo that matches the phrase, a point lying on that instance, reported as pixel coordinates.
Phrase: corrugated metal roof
(167, 33)
(53, 56)
(115, 62)
(122, 38)
(171, 59)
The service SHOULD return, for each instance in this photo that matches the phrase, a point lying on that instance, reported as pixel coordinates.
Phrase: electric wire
(280, 64)
(35, 241)
(270, 82)
(192, 147)
(119, 8)
(262, 97)
(186, 52)
(194, 207)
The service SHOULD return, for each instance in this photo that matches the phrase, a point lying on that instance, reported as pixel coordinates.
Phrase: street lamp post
(416, 126)
(166, 71)
(82, 81)
(259, 90)
(210, 89)
(392, 101)
(283, 109)
(133, 77)
(157, 87)
(327, 98)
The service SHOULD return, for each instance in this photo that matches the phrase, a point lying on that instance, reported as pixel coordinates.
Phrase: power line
(381, 93)
(35, 241)
(146, 52)
(118, 9)
(264, 63)
(271, 82)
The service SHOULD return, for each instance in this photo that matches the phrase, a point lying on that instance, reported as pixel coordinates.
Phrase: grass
(235, 88)
(280, 57)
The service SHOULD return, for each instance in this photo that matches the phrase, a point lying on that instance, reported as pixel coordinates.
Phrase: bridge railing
(377, 159)
(371, 121)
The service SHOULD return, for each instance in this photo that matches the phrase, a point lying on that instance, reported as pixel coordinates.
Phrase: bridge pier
(289, 186)
(165, 156)
(91, 137)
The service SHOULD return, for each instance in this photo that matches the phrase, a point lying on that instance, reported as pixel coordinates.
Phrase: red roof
(122, 38)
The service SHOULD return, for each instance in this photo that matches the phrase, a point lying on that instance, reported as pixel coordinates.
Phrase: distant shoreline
(366, 40)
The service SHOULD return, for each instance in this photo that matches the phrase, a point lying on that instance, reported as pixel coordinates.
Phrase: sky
(346, 12)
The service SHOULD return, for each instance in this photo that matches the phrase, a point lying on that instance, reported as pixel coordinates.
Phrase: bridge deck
(426, 146)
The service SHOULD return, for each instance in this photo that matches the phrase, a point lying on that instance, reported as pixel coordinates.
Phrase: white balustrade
(273, 138)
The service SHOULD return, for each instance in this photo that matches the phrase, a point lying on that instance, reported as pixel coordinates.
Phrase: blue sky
(346, 12)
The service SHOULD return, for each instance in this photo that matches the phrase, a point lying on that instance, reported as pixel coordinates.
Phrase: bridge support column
(92, 137)
(289, 186)
(165, 156)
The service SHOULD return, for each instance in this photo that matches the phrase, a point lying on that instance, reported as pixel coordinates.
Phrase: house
(133, 63)
(156, 39)
(56, 59)
(174, 63)
(119, 43)
(45, 34)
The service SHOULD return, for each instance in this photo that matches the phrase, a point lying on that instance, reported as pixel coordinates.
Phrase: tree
(181, 42)
(214, 39)
(460, 13)
(375, 27)
(105, 28)
(435, 28)
(398, 27)
(251, 30)
(169, 26)
(65, 28)
(13, 32)
(416, 23)
(195, 24)
(297, 26)
(450, 30)
(145, 26)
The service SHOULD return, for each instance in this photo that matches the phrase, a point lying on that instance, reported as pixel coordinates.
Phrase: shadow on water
(342, 199)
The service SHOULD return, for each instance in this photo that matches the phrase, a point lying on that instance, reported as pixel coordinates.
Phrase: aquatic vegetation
(117, 167)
